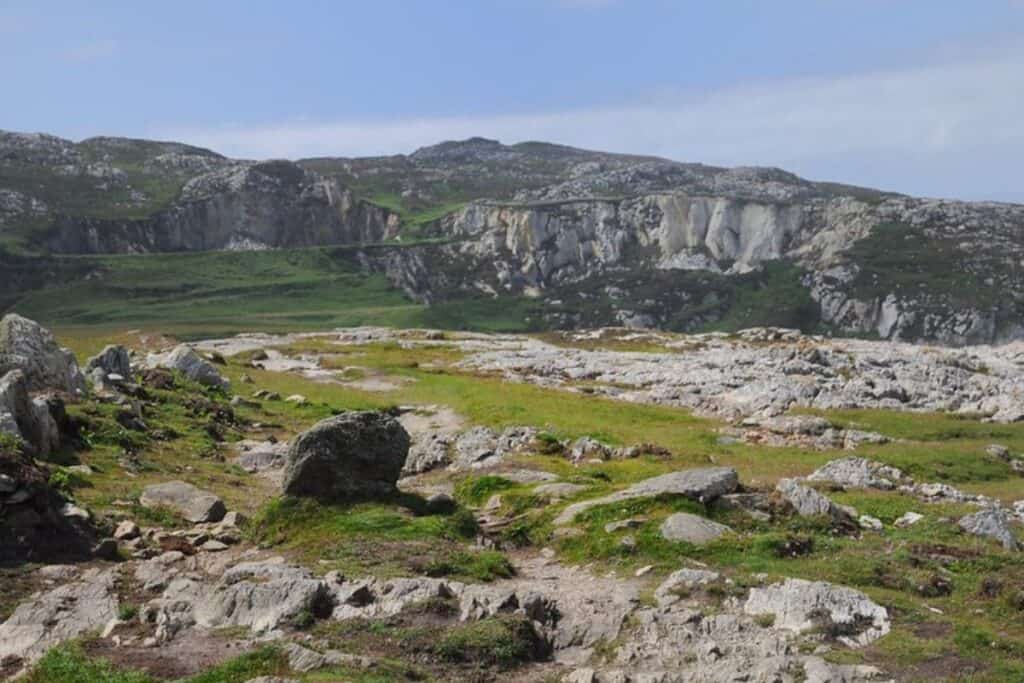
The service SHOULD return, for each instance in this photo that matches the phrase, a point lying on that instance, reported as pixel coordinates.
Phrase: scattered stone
(798, 605)
(126, 530)
(908, 519)
(622, 524)
(558, 491)
(810, 503)
(192, 503)
(297, 399)
(112, 360)
(998, 451)
(684, 527)
(353, 455)
(862, 473)
(991, 523)
(870, 523)
(185, 360)
(704, 485)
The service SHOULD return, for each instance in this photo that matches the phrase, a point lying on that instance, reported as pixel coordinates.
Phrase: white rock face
(800, 605)
(66, 612)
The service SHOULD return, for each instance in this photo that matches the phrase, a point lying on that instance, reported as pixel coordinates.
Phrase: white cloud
(89, 52)
(934, 129)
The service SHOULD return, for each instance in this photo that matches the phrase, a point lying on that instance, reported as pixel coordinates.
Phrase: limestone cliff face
(244, 206)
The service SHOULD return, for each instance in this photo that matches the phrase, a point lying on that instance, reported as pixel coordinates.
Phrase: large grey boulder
(66, 612)
(859, 473)
(991, 523)
(799, 605)
(684, 527)
(190, 502)
(184, 359)
(27, 417)
(27, 346)
(704, 485)
(350, 456)
(113, 359)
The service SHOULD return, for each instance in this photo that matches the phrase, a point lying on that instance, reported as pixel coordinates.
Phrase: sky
(922, 97)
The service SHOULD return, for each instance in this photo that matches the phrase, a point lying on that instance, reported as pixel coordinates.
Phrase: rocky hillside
(593, 238)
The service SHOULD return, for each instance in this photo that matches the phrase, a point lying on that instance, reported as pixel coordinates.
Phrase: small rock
(870, 523)
(213, 546)
(192, 503)
(297, 399)
(908, 519)
(644, 571)
(631, 523)
(684, 527)
(126, 530)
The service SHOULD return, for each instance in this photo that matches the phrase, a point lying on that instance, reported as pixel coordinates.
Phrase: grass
(201, 294)
(68, 663)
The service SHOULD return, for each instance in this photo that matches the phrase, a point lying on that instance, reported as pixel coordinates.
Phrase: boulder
(190, 502)
(29, 418)
(810, 503)
(694, 529)
(991, 523)
(185, 360)
(27, 346)
(704, 485)
(843, 613)
(859, 473)
(113, 359)
(350, 456)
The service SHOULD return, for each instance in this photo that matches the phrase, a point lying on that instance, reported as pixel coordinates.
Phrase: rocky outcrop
(351, 456)
(85, 604)
(845, 614)
(27, 346)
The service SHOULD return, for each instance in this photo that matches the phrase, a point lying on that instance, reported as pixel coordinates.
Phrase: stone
(807, 502)
(991, 523)
(623, 524)
(558, 491)
(112, 360)
(687, 528)
(681, 581)
(855, 472)
(126, 530)
(184, 359)
(27, 417)
(260, 456)
(85, 604)
(427, 453)
(908, 519)
(27, 346)
(800, 605)
(350, 456)
(704, 485)
(297, 399)
(192, 503)
(213, 546)
(998, 451)
(870, 523)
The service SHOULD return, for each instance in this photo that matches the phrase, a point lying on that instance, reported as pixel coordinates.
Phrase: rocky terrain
(598, 506)
(592, 239)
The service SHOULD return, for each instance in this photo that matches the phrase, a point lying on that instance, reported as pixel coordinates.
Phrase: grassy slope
(221, 292)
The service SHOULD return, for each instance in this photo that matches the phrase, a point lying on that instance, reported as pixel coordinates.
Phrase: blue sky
(920, 97)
